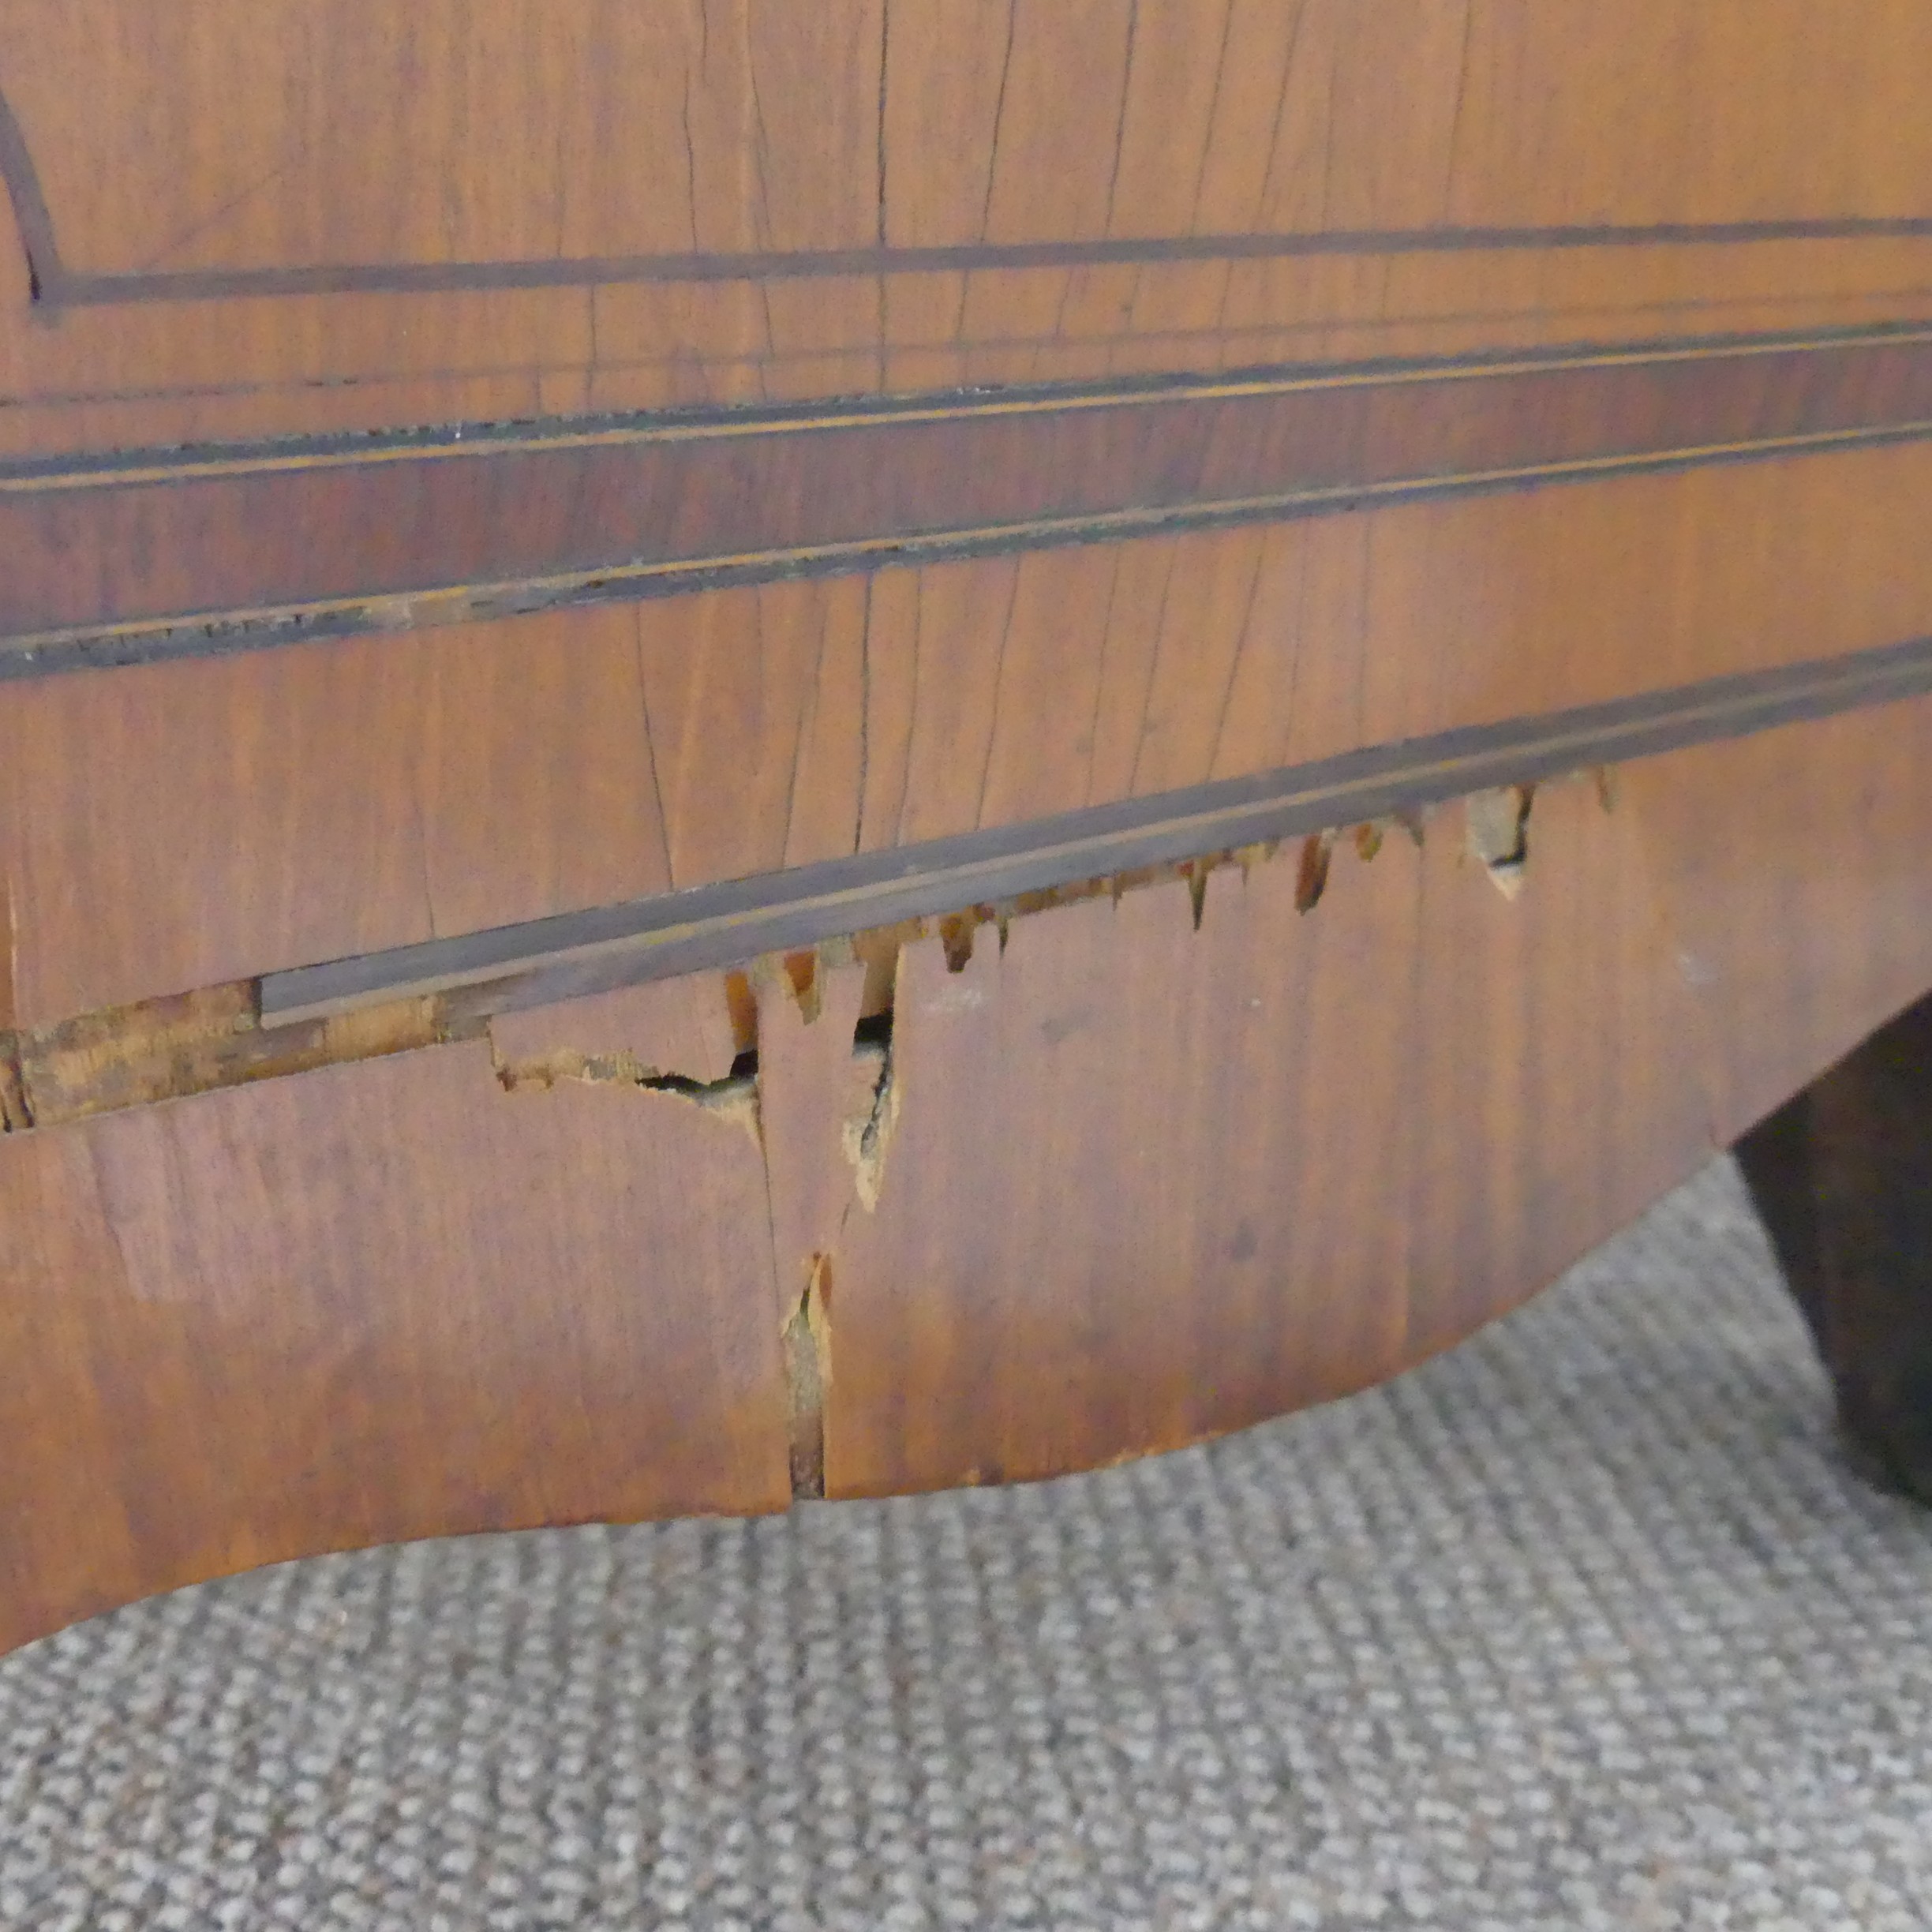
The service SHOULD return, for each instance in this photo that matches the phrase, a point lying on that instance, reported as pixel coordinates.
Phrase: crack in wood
(172, 1049)
(447, 990)
(806, 1347)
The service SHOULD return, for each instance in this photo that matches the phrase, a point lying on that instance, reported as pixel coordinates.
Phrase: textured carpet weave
(1585, 1625)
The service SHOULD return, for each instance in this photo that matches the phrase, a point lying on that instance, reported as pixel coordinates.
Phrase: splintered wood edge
(447, 990)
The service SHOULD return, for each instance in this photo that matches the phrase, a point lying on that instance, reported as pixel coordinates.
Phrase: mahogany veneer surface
(464, 465)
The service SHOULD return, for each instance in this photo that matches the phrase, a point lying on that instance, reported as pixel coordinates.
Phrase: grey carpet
(1585, 1625)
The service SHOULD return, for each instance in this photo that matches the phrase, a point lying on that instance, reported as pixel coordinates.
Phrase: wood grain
(1147, 1183)
(374, 1303)
(537, 785)
(756, 726)
(174, 552)
(182, 824)
(1688, 164)
(679, 1028)
(1118, 1183)
(936, 286)
(176, 825)
(1805, 930)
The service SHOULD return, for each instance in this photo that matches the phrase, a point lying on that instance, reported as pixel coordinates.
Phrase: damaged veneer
(1040, 1186)
(800, 1052)
(811, 1078)
(695, 1034)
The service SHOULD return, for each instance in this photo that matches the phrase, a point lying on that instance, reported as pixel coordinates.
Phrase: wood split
(15, 1115)
(1498, 834)
(168, 1048)
(1313, 880)
(199, 1042)
(866, 1136)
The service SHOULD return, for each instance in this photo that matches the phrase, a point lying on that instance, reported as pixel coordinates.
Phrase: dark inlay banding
(152, 555)
(55, 286)
(561, 957)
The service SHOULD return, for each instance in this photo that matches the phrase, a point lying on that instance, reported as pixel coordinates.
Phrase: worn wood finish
(1147, 1182)
(174, 826)
(376, 1302)
(122, 557)
(863, 196)
(1842, 1174)
(538, 962)
(1117, 1183)
(1108, 1163)
(184, 824)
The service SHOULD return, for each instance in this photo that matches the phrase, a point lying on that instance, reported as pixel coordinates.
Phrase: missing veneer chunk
(802, 970)
(867, 1135)
(16, 1116)
(1312, 880)
(170, 1049)
(956, 935)
(1197, 889)
(807, 1351)
(741, 1003)
(1499, 834)
(878, 951)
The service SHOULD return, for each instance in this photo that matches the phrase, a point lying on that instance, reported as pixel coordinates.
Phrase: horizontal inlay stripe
(120, 468)
(66, 289)
(717, 926)
(236, 549)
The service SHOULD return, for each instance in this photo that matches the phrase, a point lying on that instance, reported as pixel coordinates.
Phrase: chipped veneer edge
(115, 1060)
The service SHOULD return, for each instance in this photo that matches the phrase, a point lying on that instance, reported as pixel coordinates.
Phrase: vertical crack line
(1461, 103)
(1075, 278)
(1240, 649)
(805, 721)
(1264, 203)
(1312, 879)
(650, 750)
(1153, 678)
(999, 679)
(425, 776)
(992, 175)
(691, 159)
(865, 719)
(1099, 702)
(9, 936)
(999, 117)
(912, 703)
(762, 210)
(808, 1351)
(15, 1114)
(867, 1136)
